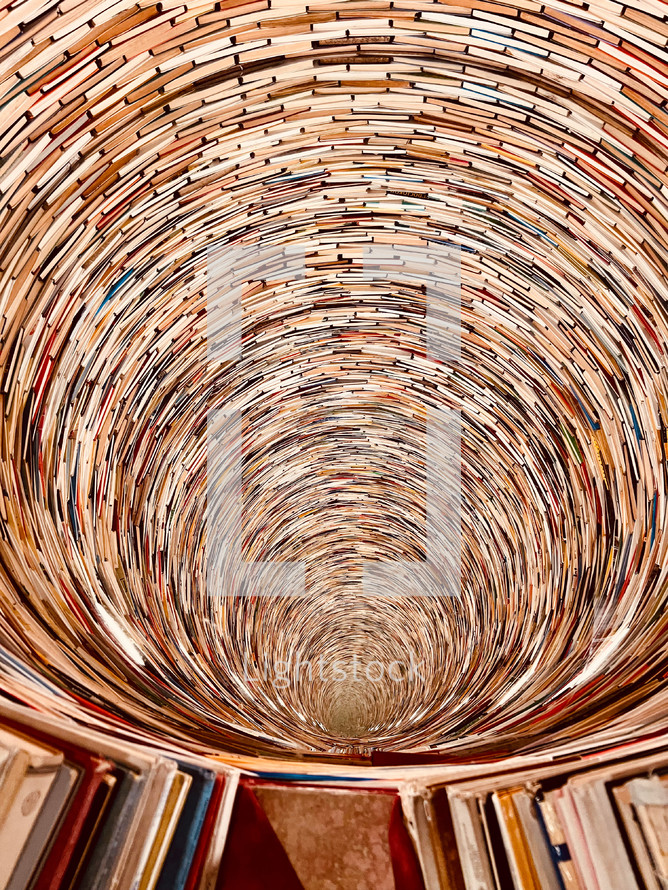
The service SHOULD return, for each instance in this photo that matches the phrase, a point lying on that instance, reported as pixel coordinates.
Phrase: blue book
(174, 872)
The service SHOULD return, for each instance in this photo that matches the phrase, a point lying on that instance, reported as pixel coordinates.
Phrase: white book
(536, 841)
(471, 844)
(20, 820)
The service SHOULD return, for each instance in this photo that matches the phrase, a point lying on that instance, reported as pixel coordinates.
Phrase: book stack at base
(595, 823)
(82, 811)
(85, 810)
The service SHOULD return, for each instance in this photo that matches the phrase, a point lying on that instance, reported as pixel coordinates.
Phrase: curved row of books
(333, 444)
(80, 810)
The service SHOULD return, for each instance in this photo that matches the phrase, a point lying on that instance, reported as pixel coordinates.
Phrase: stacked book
(90, 812)
(81, 810)
(85, 810)
(530, 138)
(593, 823)
(534, 140)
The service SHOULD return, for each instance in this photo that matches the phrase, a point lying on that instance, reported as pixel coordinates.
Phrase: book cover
(179, 858)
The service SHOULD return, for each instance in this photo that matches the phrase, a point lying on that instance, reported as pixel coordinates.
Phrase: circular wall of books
(334, 392)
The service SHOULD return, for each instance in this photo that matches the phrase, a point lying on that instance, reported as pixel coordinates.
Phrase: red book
(405, 863)
(254, 858)
(342, 830)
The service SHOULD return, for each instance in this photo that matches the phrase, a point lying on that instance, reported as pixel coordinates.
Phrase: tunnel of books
(517, 152)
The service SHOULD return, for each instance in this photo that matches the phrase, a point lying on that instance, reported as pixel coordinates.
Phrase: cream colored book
(523, 799)
(135, 851)
(635, 836)
(15, 763)
(471, 843)
(604, 842)
(581, 853)
(35, 776)
(166, 828)
(415, 805)
(45, 827)
(650, 801)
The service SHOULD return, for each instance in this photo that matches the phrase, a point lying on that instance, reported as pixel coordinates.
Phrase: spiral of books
(411, 260)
